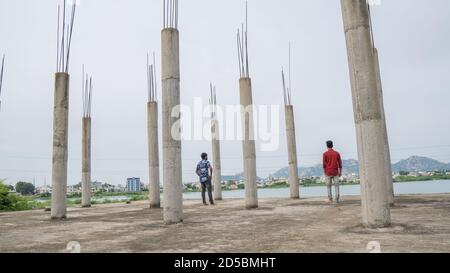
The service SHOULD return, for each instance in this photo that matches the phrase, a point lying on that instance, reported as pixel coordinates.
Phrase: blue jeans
(207, 186)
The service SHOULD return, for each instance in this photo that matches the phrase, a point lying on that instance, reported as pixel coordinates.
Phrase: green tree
(25, 188)
(11, 202)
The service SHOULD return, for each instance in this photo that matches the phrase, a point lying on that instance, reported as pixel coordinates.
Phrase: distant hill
(350, 166)
(419, 163)
(412, 164)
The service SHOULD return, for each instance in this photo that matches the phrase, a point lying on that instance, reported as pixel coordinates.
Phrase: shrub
(12, 202)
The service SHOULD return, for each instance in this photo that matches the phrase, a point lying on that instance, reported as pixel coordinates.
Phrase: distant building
(71, 189)
(134, 184)
(108, 188)
(96, 186)
(44, 189)
(120, 188)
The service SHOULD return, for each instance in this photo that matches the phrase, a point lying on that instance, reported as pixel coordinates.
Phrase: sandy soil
(421, 223)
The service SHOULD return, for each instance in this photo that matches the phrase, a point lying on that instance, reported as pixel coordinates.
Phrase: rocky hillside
(418, 163)
(412, 164)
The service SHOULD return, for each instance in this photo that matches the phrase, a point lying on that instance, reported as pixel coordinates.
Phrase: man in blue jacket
(204, 172)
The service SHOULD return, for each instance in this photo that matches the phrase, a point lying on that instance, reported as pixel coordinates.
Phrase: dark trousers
(207, 185)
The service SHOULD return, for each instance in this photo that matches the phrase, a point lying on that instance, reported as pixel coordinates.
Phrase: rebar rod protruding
(213, 100)
(170, 14)
(370, 26)
(242, 44)
(87, 88)
(284, 87)
(83, 94)
(149, 92)
(72, 19)
(152, 86)
(154, 78)
(287, 90)
(1, 77)
(246, 38)
(57, 38)
(164, 13)
(1, 73)
(64, 37)
(63, 32)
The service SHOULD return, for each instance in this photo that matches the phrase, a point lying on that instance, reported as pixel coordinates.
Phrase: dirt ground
(421, 223)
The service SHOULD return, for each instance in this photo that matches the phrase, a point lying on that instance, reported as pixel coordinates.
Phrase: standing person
(204, 172)
(332, 168)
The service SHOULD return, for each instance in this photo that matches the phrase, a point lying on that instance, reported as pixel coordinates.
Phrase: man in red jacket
(332, 168)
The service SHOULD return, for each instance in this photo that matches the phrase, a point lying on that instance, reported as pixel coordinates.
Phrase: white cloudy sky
(112, 38)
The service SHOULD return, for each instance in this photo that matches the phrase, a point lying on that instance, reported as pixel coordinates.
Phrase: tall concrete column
(248, 143)
(153, 154)
(217, 173)
(172, 175)
(86, 163)
(60, 140)
(292, 151)
(387, 159)
(367, 114)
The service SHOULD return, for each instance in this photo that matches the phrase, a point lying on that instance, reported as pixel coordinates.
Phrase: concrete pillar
(172, 175)
(153, 154)
(60, 139)
(217, 169)
(387, 159)
(292, 151)
(86, 163)
(248, 144)
(367, 114)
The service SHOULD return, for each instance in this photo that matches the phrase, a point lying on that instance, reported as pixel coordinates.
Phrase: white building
(44, 189)
(134, 184)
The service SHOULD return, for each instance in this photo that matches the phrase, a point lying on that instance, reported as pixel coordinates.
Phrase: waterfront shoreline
(38, 203)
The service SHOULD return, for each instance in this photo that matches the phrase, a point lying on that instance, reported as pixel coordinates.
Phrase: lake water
(425, 187)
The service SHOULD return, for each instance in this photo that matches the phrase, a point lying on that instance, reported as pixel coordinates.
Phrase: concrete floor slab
(421, 223)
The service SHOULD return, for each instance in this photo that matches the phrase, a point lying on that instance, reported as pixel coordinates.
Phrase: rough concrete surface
(292, 151)
(60, 143)
(86, 162)
(367, 114)
(421, 223)
(171, 136)
(248, 143)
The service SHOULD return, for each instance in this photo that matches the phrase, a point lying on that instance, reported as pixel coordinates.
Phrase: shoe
(212, 204)
(204, 203)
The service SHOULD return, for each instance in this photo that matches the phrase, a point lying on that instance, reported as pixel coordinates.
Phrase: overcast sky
(112, 37)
